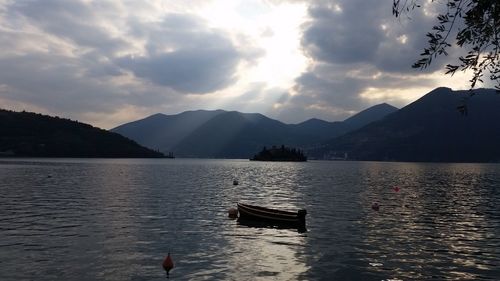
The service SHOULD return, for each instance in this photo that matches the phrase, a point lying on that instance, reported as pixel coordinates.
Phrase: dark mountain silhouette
(320, 130)
(25, 134)
(369, 115)
(315, 131)
(223, 134)
(442, 126)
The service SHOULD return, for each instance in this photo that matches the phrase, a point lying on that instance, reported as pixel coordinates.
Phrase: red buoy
(396, 188)
(168, 264)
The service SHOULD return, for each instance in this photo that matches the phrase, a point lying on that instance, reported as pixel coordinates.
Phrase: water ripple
(105, 219)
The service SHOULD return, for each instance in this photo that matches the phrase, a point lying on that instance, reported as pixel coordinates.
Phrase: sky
(109, 62)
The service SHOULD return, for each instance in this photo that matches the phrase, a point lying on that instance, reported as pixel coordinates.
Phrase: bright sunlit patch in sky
(394, 96)
(272, 28)
(401, 96)
(283, 60)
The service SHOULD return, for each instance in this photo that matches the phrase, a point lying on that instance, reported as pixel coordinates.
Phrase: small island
(280, 154)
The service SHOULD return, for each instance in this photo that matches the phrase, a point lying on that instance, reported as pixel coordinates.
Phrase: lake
(116, 219)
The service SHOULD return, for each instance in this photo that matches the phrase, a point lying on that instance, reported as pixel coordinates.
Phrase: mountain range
(232, 134)
(442, 126)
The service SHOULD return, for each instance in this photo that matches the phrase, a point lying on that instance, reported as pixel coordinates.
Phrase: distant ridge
(442, 126)
(232, 134)
(369, 115)
(26, 134)
(164, 132)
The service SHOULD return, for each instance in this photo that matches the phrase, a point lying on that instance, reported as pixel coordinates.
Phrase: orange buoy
(168, 264)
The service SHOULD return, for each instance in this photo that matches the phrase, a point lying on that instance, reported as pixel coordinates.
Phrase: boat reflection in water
(261, 217)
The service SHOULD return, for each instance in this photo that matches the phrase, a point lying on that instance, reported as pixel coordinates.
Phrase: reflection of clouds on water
(263, 254)
(435, 224)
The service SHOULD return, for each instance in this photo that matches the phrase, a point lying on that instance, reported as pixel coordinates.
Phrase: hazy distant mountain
(222, 134)
(320, 130)
(315, 131)
(430, 129)
(164, 132)
(233, 135)
(34, 135)
(214, 134)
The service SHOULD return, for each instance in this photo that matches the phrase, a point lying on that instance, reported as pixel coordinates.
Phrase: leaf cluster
(476, 27)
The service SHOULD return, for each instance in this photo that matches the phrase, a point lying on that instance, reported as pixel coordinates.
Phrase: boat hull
(250, 213)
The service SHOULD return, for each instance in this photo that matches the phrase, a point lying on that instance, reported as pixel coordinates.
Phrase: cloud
(74, 21)
(332, 37)
(98, 61)
(187, 70)
(179, 51)
(185, 55)
(359, 31)
(64, 84)
(82, 58)
(360, 55)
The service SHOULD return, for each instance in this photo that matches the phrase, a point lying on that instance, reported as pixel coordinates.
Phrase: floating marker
(233, 213)
(375, 206)
(235, 182)
(396, 188)
(168, 264)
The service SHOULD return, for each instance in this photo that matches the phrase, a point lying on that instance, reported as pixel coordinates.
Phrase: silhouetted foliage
(280, 154)
(476, 24)
(28, 134)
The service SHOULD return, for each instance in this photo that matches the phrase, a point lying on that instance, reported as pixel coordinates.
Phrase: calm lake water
(103, 219)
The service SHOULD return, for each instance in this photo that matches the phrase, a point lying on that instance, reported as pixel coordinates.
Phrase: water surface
(106, 219)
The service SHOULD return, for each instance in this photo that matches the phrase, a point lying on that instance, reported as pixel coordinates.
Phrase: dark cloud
(316, 90)
(354, 46)
(360, 31)
(185, 55)
(333, 36)
(187, 70)
(179, 31)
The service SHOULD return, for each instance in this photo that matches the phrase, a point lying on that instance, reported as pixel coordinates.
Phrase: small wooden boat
(279, 217)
